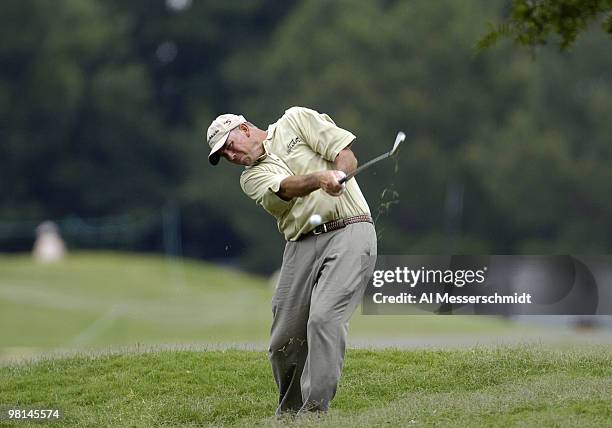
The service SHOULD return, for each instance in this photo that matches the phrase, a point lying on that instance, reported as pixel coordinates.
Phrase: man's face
(239, 149)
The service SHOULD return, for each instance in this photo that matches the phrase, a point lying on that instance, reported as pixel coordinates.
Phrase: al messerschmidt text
(409, 298)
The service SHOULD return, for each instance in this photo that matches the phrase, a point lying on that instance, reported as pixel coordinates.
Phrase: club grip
(346, 178)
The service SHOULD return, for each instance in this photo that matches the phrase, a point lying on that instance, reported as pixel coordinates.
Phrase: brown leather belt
(338, 224)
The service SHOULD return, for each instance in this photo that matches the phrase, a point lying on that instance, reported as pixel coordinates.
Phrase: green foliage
(509, 131)
(531, 22)
(81, 115)
(380, 67)
(104, 104)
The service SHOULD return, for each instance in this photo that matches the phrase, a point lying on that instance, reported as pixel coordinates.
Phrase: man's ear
(245, 128)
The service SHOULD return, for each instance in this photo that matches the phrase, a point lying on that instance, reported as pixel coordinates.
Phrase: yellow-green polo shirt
(301, 142)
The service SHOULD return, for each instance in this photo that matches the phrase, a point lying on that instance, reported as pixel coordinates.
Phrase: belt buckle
(323, 230)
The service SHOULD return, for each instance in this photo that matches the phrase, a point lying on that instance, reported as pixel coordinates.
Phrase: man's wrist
(318, 176)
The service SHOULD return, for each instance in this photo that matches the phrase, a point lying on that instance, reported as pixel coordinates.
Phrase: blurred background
(103, 110)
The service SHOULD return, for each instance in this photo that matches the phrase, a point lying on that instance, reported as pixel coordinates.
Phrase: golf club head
(398, 140)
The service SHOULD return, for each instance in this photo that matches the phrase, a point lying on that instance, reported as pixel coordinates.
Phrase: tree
(385, 66)
(80, 134)
(531, 22)
(525, 140)
(103, 108)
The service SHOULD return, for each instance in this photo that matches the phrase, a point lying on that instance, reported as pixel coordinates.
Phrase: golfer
(292, 170)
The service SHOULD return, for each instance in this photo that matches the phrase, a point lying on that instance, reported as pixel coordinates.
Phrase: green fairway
(93, 300)
(473, 387)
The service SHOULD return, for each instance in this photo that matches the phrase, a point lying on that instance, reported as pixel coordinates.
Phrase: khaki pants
(322, 281)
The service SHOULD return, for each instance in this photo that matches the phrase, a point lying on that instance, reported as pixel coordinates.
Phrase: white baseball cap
(218, 132)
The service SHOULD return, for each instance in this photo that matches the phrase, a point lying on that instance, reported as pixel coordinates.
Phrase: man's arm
(346, 161)
(301, 185)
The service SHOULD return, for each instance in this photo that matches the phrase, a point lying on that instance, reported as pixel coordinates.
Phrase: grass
(507, 386)
(91, 303)
(93, 300)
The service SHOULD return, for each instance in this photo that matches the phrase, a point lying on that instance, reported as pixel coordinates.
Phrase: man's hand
(329, 182)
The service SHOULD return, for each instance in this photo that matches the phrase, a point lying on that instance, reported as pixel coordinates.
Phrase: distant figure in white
(49, 246)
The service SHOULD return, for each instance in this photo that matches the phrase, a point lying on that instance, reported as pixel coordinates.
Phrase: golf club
(398, 140)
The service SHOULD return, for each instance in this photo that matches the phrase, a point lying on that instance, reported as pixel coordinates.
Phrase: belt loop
(320, 229)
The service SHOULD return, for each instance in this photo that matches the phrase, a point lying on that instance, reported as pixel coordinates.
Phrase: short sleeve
(261, 185)
(319, 131)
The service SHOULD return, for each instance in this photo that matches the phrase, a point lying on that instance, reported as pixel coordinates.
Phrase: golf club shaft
(364, 167)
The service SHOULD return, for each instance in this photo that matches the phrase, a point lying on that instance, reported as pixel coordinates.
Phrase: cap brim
(214, 158)
(214, 155)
